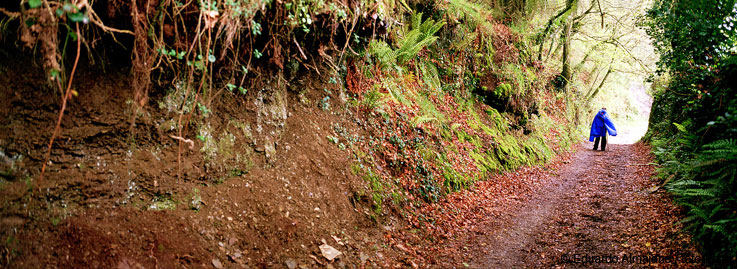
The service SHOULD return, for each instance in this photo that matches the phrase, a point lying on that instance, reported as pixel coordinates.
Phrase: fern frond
(705, 184)
(710, 162)
(688, 219)
(699, 192)
(716, 228)
(421, 35)
(410, 42)
(476, 12)
(724, 144)
(686, 182)
(423, 119)
(382, 52)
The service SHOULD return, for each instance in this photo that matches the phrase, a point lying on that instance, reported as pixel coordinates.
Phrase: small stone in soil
(217, 263)
(291, 264)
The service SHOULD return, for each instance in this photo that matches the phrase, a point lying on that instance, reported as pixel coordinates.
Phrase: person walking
(599, 129)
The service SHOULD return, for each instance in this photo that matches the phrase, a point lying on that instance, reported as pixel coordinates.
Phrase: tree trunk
(566, 71)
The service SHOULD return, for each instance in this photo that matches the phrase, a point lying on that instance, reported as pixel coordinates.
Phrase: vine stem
(67, 95)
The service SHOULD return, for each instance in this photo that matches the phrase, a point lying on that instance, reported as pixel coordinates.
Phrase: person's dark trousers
(603, 142)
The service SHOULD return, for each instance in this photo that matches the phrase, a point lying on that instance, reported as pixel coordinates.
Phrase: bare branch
(569, 5)
(595, 92)
(587, 12)
(600, 12)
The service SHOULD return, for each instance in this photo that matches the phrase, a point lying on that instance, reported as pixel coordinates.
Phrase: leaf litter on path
(595, 205)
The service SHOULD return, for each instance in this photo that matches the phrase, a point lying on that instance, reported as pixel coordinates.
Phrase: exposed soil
(111, 195)
(595, 209)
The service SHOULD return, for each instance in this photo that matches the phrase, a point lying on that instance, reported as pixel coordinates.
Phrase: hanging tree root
(50, 48)
(64, 99)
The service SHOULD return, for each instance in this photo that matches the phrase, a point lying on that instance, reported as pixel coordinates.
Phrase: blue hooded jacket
(601, 125)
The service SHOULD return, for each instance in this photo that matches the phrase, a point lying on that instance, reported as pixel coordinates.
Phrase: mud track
(596, 205)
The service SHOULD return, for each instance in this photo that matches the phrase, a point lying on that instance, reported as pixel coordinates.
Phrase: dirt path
(510, 245)
(597, 209)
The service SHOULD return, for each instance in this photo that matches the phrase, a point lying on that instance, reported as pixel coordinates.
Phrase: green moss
(536, 146)
(481, 163)
(378, 200)
(503, 91)
(245, 128)
(520, 82)
(374, 184)
(163, 203)
(355, 169)
(497, 119)
(225, 144)
(209, 143)
(452, 180)
(426, 153)
(465, 137)
(510, 153)
(398, 198)
(225, 152)
(445, 132)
